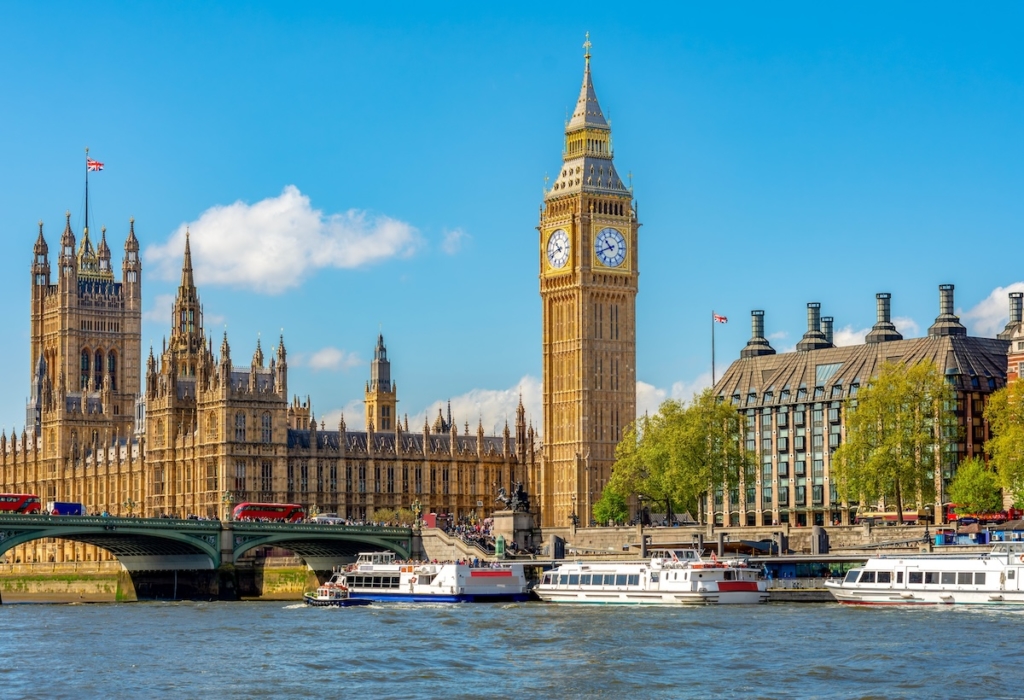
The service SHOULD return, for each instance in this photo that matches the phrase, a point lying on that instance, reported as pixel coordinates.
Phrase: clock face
(558, 249)
(610, 247)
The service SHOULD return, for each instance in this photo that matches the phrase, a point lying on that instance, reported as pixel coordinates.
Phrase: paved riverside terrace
(161, 544)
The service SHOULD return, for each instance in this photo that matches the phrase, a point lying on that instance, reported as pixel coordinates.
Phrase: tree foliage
(975, 489)
(897, 428)
(1005, 416)
(402, 516)
(611, 507)
(677, 456)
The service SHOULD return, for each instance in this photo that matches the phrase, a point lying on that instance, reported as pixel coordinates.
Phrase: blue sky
(349, 169)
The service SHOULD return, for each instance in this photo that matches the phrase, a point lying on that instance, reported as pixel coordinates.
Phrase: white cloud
(453, 241)
(160, 312)
(273, 244)
(907, 326)
(848, 336)
(355, 416)
(649, 397)
(329, 358)
(777, 335)
(990, 316)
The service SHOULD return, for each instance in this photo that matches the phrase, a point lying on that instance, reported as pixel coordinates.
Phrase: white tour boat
(993, 578)
(378, 576)
(333, 593)
(671, 577)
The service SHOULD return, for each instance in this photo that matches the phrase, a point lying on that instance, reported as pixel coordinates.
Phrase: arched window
(158, 437)
(97, 369)
(211, 427)
(85, 370)
(239, 427)
(112, 369)
(266, 434)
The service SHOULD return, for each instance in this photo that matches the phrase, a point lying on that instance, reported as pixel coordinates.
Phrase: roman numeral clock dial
(610, 247)
(558, 249)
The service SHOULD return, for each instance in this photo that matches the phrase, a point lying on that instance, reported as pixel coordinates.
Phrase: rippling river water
(531, 650)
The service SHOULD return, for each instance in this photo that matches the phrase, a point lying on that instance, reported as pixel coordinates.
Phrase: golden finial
(630, 176)
(586, 48)
(131, 220)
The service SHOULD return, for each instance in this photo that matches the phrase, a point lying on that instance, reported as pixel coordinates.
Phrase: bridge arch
(139, 545)
(321, 546)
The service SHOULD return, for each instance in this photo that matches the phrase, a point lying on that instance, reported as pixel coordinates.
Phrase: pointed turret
(187, 281)
(131, 268)
(67, 263)
(257, 357)
(40, 261)
(103, 253)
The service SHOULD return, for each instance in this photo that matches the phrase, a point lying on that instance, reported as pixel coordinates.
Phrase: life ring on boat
(412, 579)
(1021, 558)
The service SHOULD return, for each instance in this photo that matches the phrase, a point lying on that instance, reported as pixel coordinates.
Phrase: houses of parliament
(190, 430)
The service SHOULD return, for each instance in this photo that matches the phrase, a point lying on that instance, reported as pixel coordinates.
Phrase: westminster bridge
(198, 558)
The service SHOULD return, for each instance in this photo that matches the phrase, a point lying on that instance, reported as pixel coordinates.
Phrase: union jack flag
(94, 165)
(720, 319)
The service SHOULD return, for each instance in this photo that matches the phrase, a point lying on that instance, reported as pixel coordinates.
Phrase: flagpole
(87, 188)
(712, 347)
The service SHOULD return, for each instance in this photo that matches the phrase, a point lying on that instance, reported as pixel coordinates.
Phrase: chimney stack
(884, 330)
(826, 329)
(813, 339)
(757, 345)
(1016, 315)
(946, 323)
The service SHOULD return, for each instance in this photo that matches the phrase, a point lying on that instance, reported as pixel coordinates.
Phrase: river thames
(283, 649)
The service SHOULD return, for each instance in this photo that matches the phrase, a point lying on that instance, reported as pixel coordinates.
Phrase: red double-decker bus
(279, 512)
(26, 503)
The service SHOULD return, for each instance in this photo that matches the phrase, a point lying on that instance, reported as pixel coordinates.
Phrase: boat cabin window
(634, 579)
(574, 579)
(563, 579)
(1010, 573)
(851, 576)
(654, 577)
(547, 579)
(979, 578)
(867, 577)
(620, 579)
(728, 575)
(915, 577)
(948, 578)
(885, 577)
(585, 580)
(931, 577)
(899, 577)
(963, 578)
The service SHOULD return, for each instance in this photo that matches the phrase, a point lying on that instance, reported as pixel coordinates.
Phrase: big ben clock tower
(588, 285)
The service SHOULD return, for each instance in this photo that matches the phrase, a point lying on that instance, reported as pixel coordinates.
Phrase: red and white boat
(670, 577)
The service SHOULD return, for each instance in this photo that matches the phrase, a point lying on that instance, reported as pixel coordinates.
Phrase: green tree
(975, 489)
(897, 429)
(1005, 416)
(612, 506)
(678, 456)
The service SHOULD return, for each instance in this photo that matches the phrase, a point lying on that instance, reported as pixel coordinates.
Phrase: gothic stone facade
(206, 434)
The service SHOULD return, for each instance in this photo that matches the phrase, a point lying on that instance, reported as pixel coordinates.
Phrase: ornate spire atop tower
(587, 158)
(187, 281)
(40, 248)
(103, 251)
(131, 244)
(257, 357)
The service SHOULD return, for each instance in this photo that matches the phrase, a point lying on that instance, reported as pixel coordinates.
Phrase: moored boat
(992, 578)
(333, 593)
(670, 577)
(378, 576)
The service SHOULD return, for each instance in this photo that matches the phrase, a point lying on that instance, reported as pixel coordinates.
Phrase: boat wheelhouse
(991, 578)
(670, 577)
